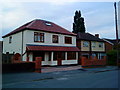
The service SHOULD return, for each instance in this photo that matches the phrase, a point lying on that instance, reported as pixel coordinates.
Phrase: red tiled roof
(51, 48)
(40, 25)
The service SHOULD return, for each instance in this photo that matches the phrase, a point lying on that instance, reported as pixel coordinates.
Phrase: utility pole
(116, 30)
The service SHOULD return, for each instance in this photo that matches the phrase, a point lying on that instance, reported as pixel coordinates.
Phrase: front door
(59, 58)
(59, 61)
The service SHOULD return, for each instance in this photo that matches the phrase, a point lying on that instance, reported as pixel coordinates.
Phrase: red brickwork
(93, 61)
(38, 63)
(16, 58)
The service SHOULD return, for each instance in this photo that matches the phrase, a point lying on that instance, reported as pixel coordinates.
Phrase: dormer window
(10, 39)
(48, 24)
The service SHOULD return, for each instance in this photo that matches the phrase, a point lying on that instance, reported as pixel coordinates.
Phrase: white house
(40, 38)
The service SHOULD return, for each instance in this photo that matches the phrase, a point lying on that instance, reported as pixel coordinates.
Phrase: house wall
(96, 48)
(15, 45)
(108, 46)
(29, 39)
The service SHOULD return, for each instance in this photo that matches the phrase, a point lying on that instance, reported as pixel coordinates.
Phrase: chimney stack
(97, 35)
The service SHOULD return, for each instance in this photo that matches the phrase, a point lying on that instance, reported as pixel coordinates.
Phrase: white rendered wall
(15, 45)
(29, 39)
(67, 62)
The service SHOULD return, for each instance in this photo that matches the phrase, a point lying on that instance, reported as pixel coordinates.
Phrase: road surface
(80, 78)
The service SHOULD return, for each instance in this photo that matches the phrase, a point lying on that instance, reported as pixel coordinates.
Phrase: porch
(53, 55)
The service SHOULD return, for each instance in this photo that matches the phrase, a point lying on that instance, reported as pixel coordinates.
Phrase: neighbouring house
(40, 38)
(90, 45)
(110, 44)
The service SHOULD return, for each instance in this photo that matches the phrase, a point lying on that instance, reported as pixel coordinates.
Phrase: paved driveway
(60, 68)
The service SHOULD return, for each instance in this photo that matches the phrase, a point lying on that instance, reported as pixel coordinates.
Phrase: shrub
(112, 57)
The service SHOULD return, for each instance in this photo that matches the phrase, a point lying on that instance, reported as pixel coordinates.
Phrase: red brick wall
(108, 46)
(93, 61)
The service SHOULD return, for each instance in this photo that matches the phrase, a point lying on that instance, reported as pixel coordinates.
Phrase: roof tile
(40, 25)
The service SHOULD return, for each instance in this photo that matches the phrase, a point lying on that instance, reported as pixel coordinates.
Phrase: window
(10, 39)
(55, 39)
(93, 44)
(71, 55)
(38, 37)
(60, 55)
(85, 44)
(48, 24)
(101, 45)
(68, 40)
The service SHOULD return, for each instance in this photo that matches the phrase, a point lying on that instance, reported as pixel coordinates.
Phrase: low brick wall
(18, 67)
(93, 62)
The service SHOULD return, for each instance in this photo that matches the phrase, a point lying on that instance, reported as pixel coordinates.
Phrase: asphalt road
(81, 78)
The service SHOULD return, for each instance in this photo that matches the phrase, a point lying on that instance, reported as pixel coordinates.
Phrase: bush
(112, 57)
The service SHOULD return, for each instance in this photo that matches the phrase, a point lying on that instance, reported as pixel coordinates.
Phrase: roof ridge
(108, 41)
(30, 23)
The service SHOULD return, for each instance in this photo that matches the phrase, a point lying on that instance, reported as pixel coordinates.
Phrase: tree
(78, 25)
(112, 57)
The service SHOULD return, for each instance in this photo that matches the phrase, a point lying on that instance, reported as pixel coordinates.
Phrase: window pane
(10, 39)
(55, 39)
(42, 37)
(35, 36)
(71, 55)
(68, 40)
(85, 44)
(93, 44)
(101, 45)
(60, 55)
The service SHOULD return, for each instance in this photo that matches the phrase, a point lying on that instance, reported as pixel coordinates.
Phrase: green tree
(78, 25)
(112, 57)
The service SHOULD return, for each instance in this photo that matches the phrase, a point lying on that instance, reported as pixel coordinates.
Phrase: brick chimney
(97, 35)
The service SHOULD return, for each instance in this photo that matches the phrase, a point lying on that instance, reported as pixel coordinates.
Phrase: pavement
(72, 77)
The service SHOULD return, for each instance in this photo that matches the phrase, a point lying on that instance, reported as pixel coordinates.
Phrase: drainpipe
(90, 53)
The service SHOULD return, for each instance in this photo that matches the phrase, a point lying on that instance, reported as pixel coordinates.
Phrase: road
(81, 78)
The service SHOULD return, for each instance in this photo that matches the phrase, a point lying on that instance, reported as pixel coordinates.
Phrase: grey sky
(99, 16)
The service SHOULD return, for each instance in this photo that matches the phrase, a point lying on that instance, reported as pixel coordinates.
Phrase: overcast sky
(98, 16)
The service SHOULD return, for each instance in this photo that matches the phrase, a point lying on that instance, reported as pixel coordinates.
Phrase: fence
(93, 62)
(7, 58)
